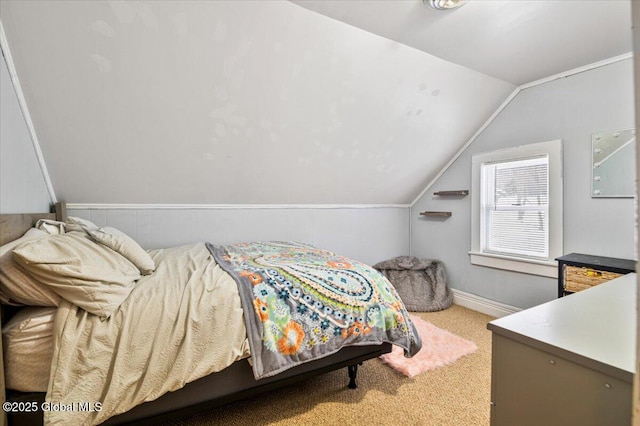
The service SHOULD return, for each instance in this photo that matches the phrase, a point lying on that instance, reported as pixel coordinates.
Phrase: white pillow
(17, 286)
(126, 246)
(52, 227)
(81, 271)
(79, 224)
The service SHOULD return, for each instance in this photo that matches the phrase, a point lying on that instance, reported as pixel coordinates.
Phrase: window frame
(543, 267)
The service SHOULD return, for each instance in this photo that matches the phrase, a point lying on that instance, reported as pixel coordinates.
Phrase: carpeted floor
(457, 394)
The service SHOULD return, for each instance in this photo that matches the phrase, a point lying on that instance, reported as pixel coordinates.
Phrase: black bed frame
(234, 383)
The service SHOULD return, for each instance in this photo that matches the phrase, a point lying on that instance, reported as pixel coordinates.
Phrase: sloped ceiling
(238, 102)
(518, 41)
(235, 102)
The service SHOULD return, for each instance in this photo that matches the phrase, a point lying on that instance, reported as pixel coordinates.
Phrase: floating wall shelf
(462, 192)
(438, 214)
(457, 193)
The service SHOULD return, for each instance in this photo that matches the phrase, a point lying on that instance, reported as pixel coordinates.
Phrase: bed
(194, 386)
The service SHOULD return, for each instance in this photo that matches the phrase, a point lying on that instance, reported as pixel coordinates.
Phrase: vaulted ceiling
(518, 41)
(249, 102)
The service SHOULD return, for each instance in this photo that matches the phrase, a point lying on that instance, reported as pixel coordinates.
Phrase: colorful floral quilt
(308, 303)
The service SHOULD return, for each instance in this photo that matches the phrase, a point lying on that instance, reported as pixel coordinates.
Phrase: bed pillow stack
(91, 267)
(89, 275)
(17, 286)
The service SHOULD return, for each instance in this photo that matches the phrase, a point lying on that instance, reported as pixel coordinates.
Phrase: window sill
(532, 267)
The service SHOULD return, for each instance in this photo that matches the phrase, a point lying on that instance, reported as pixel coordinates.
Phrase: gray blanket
(421, 283)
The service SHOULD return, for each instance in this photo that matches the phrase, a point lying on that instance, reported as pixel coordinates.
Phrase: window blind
(517, 207)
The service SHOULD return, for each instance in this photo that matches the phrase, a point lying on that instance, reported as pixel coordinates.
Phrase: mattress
(27, 340)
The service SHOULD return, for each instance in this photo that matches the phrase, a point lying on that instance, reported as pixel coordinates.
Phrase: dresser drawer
(578, 278)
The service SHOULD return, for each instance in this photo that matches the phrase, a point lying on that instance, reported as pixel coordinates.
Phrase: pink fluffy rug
(439, 348)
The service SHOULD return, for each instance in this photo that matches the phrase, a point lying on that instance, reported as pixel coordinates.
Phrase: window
(517, 208)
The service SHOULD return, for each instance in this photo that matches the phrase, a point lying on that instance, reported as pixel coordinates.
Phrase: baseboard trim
(480, 304)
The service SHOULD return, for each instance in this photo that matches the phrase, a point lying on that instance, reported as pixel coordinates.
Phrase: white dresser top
(595, 328)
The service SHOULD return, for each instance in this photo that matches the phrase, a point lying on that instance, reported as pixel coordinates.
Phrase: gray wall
(22, 185)
(365, 234)
(570, 109)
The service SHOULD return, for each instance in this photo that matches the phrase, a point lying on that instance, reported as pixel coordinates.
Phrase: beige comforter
(178, 324)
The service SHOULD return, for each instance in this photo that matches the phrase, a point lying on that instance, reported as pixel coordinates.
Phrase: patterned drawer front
(579, 278)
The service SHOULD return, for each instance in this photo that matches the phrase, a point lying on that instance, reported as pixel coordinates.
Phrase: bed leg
(353, 372)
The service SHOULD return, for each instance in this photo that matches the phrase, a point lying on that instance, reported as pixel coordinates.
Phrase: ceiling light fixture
(445, 4)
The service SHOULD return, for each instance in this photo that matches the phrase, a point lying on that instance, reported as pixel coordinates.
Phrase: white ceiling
(252, 102)
(518, 41)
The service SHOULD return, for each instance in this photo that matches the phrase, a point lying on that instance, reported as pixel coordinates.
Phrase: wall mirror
(613, 164)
